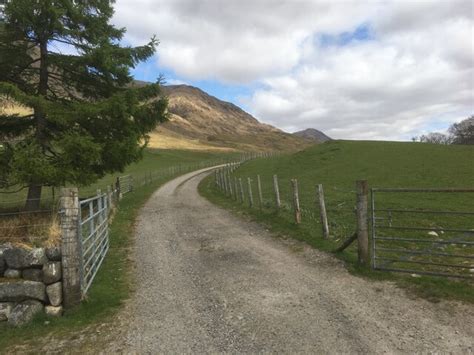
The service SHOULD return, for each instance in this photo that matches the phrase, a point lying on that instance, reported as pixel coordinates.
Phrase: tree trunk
(34, 198)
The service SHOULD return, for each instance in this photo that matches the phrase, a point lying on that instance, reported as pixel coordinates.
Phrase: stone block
(54, 311)
(32, 275)
(5, 310)
(51, 272)
(22, 258)
(18, 291)
(55, 294)
(12, 274)
(24, 312)
(53, 253)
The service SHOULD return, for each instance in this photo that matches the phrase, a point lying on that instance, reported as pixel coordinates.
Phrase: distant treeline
(458, 133)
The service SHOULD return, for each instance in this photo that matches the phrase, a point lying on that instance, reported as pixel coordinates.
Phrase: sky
(364, 69)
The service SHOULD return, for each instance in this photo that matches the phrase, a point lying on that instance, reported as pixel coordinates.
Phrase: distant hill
(313, 134)
(201, 121)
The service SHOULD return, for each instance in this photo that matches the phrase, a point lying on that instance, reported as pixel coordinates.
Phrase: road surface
(208, 281)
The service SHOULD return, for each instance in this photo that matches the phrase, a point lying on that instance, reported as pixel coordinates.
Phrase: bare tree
(463, 132)
(436, 138)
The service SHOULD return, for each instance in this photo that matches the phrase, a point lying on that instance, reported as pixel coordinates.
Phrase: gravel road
(210, 282)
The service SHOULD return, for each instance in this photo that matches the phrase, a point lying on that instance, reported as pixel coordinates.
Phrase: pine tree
(86, 117)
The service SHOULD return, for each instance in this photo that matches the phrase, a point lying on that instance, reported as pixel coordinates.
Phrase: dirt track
(210, 282)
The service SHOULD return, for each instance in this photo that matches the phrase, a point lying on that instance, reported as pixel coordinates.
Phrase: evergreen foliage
(87, 118)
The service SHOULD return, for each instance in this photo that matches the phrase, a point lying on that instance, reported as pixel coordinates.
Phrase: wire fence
(272, 194)
(421, 234)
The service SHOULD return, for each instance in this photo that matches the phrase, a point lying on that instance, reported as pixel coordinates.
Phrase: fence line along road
(419, 245)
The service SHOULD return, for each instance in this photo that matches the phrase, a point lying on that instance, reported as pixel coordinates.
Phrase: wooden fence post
(236, 189)
(221, 181)
(109, 198)
(277, 192)
(259, 187)
(296, 201)
(71, 247)
(241, 191)
(100, 206)
(114, 197)
(249, 182)
(322, 211)
(224, 177)
(117, 186)
(229, 183)
(362, 223)
(224, 181)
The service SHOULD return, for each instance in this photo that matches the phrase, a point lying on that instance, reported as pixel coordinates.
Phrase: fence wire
(432, 241)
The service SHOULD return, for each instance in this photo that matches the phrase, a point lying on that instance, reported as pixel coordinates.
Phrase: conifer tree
(64, 61)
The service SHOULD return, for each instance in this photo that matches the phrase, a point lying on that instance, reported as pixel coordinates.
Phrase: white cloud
(415, 71)
(175, 82)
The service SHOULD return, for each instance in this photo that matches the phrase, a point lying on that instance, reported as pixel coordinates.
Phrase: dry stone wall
(30, 283)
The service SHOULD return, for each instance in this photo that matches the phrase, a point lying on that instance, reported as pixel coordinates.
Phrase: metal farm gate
(93, 236)
(423, 231)
(125, 183)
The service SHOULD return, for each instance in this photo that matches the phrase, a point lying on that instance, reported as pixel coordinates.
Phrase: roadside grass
(113, 283)
(337, 165)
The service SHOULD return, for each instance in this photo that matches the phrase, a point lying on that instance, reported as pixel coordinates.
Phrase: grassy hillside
(337, 165)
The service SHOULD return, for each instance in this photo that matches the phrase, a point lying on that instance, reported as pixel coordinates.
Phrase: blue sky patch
(361, 33)
(149, 71)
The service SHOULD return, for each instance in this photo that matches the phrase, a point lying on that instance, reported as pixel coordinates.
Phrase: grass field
(337, 165)
(113, 283)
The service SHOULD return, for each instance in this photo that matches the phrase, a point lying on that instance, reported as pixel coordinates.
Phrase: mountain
(313, 134)
(201, 121)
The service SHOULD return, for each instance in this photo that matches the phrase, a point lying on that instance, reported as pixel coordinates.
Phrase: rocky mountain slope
(313, 135)
(201, 121)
